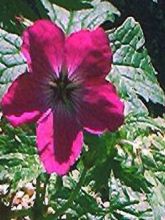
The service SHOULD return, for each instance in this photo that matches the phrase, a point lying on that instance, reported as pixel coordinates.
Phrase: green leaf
(145, 137)
(125, 203)
(132, 69)
(99, 157)
(86, 203)
(141, 125)
(131, 176)
(76, 20)
(11, 61)
(18, 156)
(157, 200)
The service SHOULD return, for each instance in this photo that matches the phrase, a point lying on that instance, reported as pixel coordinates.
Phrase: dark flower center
(63, 88)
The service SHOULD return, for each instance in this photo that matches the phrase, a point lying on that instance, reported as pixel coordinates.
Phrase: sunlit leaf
(87, 18)
(132, 71)
(11, 61)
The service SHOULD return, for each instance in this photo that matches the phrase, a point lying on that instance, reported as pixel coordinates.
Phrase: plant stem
(38, 207)
(70, 22)
(72, 196)
(59, 183)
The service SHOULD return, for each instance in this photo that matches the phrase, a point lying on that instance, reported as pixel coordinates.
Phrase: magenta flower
(64, 91)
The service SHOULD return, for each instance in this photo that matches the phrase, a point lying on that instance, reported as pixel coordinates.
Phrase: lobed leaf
(132, 70)
(11, 61)
(85, 18)
(18, 156)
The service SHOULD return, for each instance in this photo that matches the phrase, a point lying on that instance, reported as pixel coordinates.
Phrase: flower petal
(43, 46)
(23, 102)
(59, 142)
(88, 54)
(101, 108)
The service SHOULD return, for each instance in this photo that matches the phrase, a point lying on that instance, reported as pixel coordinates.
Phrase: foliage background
(120, 175)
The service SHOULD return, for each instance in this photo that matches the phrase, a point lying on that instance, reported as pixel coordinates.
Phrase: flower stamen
(63, 89)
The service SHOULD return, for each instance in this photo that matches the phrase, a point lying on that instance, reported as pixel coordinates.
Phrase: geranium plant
(78, 138)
